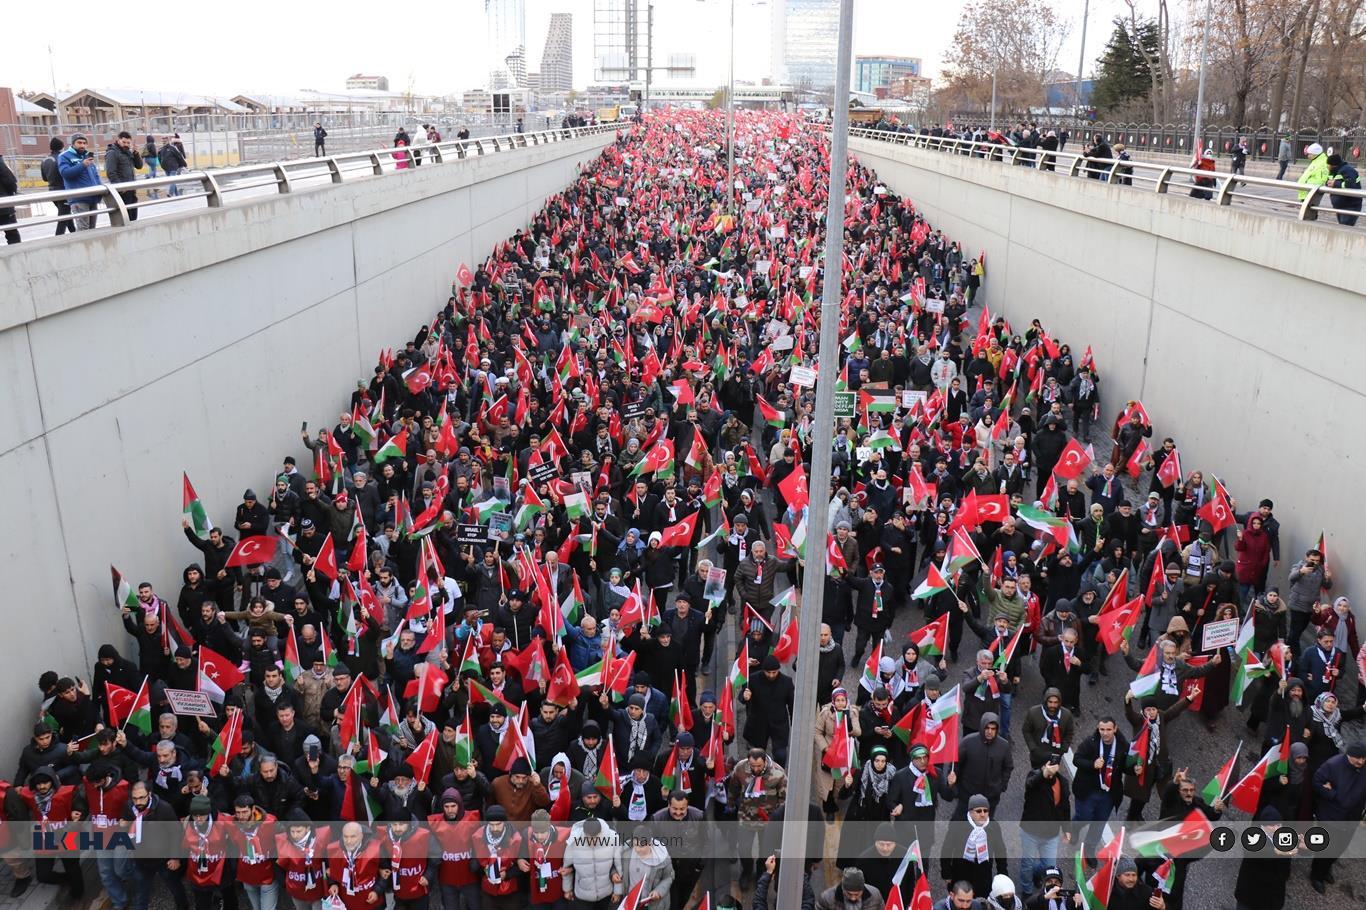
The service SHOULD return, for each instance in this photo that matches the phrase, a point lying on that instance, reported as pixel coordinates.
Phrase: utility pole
(730, 119)
(802, 745)
(1197, 140)
(992, 124)
(1081, 59)
(649, 52)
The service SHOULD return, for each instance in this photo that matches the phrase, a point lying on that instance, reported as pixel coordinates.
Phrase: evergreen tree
(1124, 76)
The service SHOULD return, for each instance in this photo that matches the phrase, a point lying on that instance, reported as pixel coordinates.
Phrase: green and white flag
(883, 440)
(124, 593)
(193, 508)
(576, 505)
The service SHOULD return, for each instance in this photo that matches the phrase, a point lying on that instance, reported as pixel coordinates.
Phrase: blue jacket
(77, 174)
(1343, 801)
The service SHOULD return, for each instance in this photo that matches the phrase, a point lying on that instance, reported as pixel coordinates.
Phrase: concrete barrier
(1238, 331)
(198, 342)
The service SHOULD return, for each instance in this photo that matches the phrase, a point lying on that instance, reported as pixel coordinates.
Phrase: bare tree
(1016, 40)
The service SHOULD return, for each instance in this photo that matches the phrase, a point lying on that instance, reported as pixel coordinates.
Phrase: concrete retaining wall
(1236, 330)
(199, 342)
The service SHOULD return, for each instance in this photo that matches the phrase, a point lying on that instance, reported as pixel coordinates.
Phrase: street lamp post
(1197, 142)
(730, 119)
(802, 745)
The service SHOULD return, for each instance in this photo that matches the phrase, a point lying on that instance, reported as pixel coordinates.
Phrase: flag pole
(792, 872)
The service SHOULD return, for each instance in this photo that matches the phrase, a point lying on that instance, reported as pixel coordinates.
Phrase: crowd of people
(522, 628)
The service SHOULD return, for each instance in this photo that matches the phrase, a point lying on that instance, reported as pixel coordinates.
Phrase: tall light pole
(730, 119)
(1197, 142)
(991, 125)
(1081, 57)
(802, 743)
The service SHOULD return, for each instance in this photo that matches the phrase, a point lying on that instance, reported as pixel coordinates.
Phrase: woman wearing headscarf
(829, 789)
(630, 552)
(869, 805)
(1289, 793)
(1218, 679)
(1339, 620)
(1326, 718)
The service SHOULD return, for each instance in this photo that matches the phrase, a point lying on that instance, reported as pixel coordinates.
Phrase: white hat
(1314, 149)
(1001, 885)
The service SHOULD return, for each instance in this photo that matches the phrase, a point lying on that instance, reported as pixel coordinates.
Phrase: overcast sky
(437, 47)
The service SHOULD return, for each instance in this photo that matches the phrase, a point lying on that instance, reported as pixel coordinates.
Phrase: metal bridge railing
(218, 187)
(1264, 194)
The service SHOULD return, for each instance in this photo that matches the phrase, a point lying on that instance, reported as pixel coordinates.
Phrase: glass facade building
(872, 73)
(805, 42)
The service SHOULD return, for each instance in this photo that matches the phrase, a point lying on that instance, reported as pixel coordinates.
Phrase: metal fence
(1301, 201)
(1262, 144)
(123, 203)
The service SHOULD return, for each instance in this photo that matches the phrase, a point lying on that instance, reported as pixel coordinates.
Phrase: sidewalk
(51, 897)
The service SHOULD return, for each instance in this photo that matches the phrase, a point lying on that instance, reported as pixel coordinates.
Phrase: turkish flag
(680, 534)
(994, 508)
(464, 275)
(427, 687)
(121, 702)
(793, 488)
(252, 551)
(326, 560)
(1135, 464)
(1072, 461)
(1169, 472)
(1216, 512)
(564, 685)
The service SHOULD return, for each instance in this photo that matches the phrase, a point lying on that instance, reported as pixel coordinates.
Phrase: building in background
(557, 60)
(506, 20)
(805, 34)
(882, 71)
(369, 83)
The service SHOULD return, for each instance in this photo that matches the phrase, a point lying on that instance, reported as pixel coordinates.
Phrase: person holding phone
(78, 170)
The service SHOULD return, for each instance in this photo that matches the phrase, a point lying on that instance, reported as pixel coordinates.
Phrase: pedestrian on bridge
(319, 140)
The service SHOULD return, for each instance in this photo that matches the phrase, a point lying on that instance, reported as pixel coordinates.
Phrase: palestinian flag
(139, 714)
(1250, 667)
(362, 429)
(962, 551)
(1191, 833)
(770, 415)
(739, 671)
(590, 675)
(883, 440)
(125, 595)
(1164, 876)
(573, 604)
(870, 680)
(532, 505)
(395, 447)
(576, 505)
(464, 741)
(933, 584)
(228, 743)
(853, 344)
(480, 694)
(608, 780)
(293, 667)
(193, 508)
(1051, 525)
(933, 638)
(1003, 658)
(1219, 784)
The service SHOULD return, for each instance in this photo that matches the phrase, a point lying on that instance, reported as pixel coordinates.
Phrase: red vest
(355, 878)
(456, 853)
(499, 863)
(58, 811)
(546, 860)
(305, 869)
(106, 806)
(255, 865)
(408, 864)
(207, 856)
